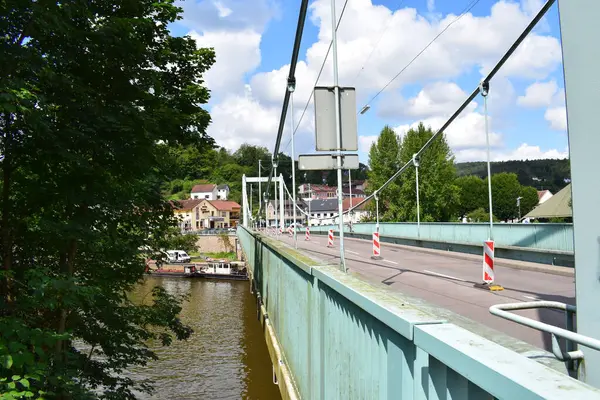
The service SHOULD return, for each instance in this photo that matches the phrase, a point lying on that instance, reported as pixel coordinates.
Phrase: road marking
(391, 262)
(530, 297)
(443, 275)
(353, 252)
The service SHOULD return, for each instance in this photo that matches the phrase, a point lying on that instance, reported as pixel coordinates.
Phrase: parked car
(178, 256)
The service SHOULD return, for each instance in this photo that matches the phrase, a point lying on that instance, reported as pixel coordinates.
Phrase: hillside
(547, 174)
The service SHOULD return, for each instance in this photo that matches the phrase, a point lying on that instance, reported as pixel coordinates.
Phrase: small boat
(183, 271)
(222, 269)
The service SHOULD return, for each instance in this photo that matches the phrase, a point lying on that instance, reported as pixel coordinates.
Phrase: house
(187, 211)
(218, 214)
(288, 212)
(312, 191)
(543, 195)
(324, 212)
(222, 192)
(206, 191)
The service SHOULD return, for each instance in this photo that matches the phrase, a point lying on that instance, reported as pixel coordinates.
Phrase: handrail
(501, 310)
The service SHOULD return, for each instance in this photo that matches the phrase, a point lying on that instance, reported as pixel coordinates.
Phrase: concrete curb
(520, 265)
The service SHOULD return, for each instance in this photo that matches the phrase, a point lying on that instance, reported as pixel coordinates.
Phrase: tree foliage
(384, 160)
(473, 194)
(94, 97)
(547, 174)
(438, 195)
(505, 190)
(529, 199)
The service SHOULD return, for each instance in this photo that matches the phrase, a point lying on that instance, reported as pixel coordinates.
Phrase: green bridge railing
(557, 237)
(331, 335)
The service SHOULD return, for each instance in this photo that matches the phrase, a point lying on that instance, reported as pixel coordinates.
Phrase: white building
(207, 191)
(223, 192)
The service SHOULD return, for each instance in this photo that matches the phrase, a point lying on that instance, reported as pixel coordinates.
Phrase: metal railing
(571, 355)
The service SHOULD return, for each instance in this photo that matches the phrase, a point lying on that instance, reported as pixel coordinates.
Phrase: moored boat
(222, 269)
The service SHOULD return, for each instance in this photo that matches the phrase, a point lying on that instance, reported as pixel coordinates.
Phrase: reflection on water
(225, 358)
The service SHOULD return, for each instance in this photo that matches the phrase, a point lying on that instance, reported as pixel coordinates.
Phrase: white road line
(353, 252)
(531, 297)
(443, 275)
(391, 262)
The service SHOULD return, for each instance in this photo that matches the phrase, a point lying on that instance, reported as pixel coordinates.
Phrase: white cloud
(365, 142)
(223, 10)
(232, 15)
(538, 94)
(240, 119)
(473, 43)
(434, 99)
(237, 53)
(557, 116)
(549, 95)
(523, 152)
(467, 131)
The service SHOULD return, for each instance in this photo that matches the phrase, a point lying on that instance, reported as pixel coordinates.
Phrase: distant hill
(547, 174)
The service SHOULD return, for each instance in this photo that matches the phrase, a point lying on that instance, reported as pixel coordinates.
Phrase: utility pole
(519, 205)
(338, 130)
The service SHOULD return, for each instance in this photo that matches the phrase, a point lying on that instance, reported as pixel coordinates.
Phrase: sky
(253, 41)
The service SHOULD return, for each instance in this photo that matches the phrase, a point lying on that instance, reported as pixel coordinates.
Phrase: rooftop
(204, 188)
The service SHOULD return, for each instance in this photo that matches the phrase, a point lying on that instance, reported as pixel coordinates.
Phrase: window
(223, 214)
(207, 196)
(212, 213)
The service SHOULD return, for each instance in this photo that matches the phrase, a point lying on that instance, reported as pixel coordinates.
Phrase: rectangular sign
(326, 161)
(325, 132)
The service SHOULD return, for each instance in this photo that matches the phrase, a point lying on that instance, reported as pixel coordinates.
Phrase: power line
(466, 10)
(318, 77)
(376, 44)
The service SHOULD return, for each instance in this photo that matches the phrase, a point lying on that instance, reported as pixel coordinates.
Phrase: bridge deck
(448, 282)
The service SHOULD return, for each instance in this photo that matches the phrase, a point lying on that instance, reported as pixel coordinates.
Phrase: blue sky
(253, 41)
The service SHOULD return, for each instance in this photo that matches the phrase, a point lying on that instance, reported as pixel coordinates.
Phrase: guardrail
(529, 254)
(558, 237)
(332, 335)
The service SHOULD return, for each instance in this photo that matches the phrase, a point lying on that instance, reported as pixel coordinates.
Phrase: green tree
(438, 195)
(384, 162)
(473, 194)
(480, 215)
(529, 199)
(91, 96)
(505, 190)
(248, 155)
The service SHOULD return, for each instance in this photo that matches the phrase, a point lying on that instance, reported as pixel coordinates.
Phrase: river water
(225, 358)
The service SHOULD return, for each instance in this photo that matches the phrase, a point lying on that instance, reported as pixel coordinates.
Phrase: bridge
(416, 324)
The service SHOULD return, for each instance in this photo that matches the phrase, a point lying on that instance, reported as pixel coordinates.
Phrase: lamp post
(519, 205)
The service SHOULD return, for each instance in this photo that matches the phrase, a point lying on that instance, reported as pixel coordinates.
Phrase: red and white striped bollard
(376, 247)
(330, 238)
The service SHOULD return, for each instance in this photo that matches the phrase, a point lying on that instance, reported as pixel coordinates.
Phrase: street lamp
(365, 109)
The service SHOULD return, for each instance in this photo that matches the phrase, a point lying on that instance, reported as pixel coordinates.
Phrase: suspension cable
(465, 10)
(540, 14)
(318, 76)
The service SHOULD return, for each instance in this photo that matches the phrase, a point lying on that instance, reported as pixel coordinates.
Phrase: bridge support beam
(244, 202)
(581, 57)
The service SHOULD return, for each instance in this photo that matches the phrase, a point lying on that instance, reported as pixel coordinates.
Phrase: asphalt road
(448, 282)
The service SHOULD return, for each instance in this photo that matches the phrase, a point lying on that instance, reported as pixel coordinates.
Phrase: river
(225, 358)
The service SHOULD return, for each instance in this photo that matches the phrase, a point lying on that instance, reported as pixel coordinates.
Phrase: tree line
(443, 195)
(190, 165)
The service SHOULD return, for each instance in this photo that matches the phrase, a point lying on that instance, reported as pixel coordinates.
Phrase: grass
(230, 255)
